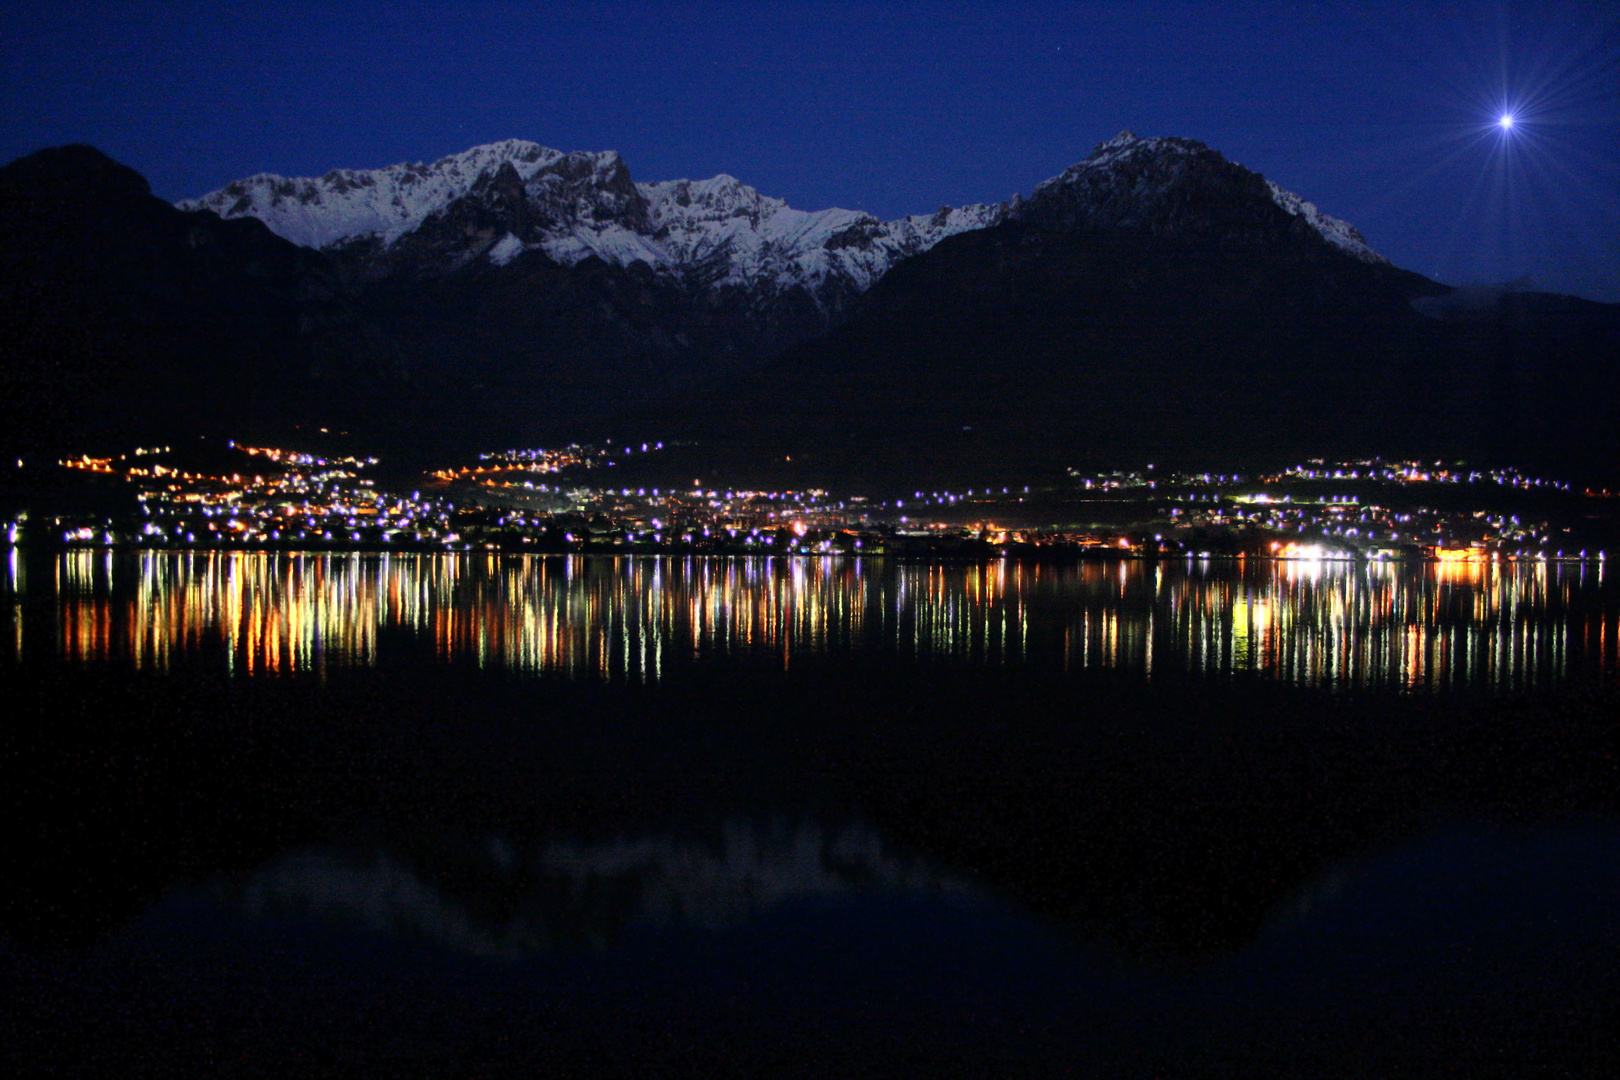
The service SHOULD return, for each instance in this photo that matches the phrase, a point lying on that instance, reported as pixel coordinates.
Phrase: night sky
(1382, 113)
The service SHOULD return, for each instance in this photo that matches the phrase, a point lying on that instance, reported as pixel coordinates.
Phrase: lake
(428, 813)
(1335, 625)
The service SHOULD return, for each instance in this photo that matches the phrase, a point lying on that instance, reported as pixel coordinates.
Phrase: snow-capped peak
(496, 202)
(1126, 174)
(1121, 148)
(581, 205)
(387, 203)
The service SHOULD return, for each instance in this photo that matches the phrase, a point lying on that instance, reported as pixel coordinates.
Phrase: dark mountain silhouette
(1199, 321)
(120, 315)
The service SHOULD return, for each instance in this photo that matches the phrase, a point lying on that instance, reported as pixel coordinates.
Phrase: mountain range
(1153, 299)
(502, 201)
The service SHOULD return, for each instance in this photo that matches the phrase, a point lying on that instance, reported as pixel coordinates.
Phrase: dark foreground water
(441, 815)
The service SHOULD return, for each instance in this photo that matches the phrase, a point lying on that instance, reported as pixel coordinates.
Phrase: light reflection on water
(1330, 625)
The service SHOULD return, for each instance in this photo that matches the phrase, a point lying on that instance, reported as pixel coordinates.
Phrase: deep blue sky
(1379, 112)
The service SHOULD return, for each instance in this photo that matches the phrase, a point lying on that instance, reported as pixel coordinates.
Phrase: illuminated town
(557, 501)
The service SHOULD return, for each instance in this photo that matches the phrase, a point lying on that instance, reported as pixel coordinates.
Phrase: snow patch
(1341, 234)
(505, 250)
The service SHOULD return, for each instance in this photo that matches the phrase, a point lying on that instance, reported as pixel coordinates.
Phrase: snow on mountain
(576, 206)
(326, 211)
(1341, 234)
(740, 235)
(1137, 172)
(497, 202)
(505, 250)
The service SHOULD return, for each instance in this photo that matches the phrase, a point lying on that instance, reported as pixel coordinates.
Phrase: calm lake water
(428, 814)
(1317, 624)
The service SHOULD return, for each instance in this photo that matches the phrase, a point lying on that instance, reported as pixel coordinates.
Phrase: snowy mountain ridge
(328, 211)
(1336, 231)
(580, 205)
(499, 201)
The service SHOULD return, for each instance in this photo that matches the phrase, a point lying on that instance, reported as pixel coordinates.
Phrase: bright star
(1506, 122)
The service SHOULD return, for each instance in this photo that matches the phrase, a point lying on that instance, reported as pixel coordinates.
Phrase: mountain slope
(546, 275)
(1180, 187)
(121, 315)
(674, 279)
(1160, 304)
(496, 203)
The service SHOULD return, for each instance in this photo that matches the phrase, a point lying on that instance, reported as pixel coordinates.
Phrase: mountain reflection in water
(1328, 625)
(505, 899)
